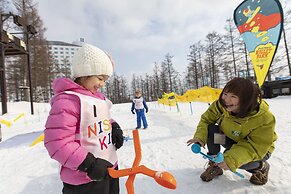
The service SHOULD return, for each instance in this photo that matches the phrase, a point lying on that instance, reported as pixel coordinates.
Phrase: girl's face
(93, 83)
(138, 95)
(231, 102)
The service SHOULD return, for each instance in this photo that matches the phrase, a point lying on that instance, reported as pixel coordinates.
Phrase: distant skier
(80, 133)
(139, 105)
(242, 123)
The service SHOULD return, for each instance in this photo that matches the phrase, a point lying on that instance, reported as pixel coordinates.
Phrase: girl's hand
(223, 165)
(197, 141)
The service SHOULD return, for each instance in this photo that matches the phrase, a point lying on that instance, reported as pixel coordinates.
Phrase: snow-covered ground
(29, 170)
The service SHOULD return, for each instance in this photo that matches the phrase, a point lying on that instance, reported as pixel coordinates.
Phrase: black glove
(96, 168)
(132, 112)
(147, 110)
(117, 135)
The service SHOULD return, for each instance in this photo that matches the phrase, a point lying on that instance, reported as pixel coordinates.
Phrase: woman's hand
(197, 141)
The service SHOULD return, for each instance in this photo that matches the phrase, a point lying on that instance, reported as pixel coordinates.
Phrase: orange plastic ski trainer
(163, 178)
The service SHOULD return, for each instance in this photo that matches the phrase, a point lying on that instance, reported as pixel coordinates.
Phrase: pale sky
(137, 33)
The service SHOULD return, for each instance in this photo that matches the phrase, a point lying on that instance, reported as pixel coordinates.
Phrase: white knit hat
(90, 60)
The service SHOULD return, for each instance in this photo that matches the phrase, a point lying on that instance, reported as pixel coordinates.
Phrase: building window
(285, 91)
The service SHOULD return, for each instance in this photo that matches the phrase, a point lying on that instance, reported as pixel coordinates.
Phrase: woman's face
(93, 83)
(231, 102)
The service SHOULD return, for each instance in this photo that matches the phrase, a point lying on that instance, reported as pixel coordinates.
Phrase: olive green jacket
(255, 134)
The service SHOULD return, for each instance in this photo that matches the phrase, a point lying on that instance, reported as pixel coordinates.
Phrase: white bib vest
(95, 128)
(138, 103)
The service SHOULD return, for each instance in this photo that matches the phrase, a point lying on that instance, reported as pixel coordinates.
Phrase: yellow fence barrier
(9, 123)
(204, 94)
(37, 140)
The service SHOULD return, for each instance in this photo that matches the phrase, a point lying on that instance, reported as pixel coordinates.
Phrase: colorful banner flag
(260, 23)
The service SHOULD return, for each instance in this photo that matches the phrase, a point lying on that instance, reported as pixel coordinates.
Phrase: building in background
(62, 54)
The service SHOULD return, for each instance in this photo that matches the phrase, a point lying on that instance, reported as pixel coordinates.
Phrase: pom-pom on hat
(90, 60)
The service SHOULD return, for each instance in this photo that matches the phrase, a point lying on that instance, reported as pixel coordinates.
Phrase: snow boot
(260, 175)
(211, 172)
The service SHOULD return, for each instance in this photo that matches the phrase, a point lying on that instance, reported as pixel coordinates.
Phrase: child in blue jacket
(139, 105)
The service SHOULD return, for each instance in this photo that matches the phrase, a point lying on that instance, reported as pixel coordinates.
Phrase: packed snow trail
(29, 170)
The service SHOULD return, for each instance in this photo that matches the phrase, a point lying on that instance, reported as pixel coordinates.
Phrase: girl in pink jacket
(80, 133)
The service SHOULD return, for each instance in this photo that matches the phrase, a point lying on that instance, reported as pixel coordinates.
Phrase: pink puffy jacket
(61, 127)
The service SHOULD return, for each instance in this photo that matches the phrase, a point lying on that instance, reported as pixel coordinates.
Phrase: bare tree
(4, 6)
(286, 28)
(169, 73)
(214, 47)
(17, 81)
(156, 82)
(194, 73)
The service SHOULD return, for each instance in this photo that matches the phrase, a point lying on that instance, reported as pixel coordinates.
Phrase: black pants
(213, 149)
(107, 186)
